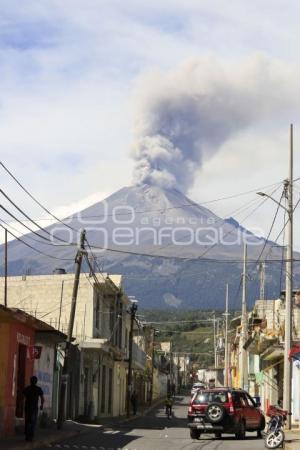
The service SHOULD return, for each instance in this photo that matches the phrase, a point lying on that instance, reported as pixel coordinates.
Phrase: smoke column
(187, 114)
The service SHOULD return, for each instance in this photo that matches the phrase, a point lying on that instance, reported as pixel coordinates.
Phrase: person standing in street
(32, 394)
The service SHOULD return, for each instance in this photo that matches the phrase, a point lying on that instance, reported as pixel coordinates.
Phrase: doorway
(21, 379)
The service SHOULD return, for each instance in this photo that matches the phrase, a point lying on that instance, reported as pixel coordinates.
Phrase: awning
(272, 352)
(294, 353)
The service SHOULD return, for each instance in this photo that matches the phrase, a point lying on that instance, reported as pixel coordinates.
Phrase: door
(20, 379)
(250, 411)
(103, 397)
(255, 412)
(85, 391)
(238, 406)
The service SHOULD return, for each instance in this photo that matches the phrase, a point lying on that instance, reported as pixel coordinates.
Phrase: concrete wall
(40, 296)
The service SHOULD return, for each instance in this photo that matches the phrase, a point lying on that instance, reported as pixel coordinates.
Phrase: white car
(197, 386)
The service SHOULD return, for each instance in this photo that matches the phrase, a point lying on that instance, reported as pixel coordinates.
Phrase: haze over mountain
(171, 251)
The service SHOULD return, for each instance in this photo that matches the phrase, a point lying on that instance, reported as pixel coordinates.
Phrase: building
(101, 332)
(265, 351)
(23, 353)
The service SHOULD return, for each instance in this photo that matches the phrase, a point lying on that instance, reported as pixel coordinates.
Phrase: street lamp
(132, 312)
(288, 186)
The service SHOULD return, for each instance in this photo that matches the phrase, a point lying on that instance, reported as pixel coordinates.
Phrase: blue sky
(68, 90)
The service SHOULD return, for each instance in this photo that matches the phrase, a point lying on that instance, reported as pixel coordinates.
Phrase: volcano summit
(171, 251)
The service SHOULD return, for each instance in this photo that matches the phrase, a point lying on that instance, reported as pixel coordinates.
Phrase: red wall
(18, 333)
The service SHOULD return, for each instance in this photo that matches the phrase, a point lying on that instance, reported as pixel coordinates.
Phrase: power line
(27, 236)
(33, 198)
(271, 228)
(136, 212)
(27, 217)
(25, 226)
(35, 249)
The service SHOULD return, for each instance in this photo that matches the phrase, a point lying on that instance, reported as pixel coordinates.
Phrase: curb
(39, 442)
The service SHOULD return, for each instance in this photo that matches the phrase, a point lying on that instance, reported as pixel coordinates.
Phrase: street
(156, 432)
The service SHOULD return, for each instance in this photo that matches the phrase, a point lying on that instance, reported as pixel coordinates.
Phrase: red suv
(223, 410)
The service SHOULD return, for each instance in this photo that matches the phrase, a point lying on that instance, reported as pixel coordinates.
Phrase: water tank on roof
(59, 271)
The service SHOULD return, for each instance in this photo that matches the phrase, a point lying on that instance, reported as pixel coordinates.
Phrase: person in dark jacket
(32, 393)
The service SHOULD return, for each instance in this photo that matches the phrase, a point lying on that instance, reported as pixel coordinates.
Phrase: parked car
(197, 386)
(223, 410)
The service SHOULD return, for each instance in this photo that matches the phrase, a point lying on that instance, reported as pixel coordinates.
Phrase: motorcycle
(274, 435)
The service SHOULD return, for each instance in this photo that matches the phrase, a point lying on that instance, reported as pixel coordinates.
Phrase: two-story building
(101, 332)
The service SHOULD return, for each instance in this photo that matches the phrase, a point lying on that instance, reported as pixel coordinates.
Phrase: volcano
(172, 252)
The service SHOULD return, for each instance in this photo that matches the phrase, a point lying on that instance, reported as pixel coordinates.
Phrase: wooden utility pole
(215, 340)
(244, 330)
(65, 373)
(133, 310)
(226, 362)
(60, 306)
(287, 373)
(152, 366)
(5, 269)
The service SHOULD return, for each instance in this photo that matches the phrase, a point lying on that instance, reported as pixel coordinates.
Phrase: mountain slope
(191, 252)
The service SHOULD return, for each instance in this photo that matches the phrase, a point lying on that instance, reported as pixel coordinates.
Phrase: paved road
(156, 432)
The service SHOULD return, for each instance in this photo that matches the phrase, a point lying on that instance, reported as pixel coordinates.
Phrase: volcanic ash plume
(187, 114)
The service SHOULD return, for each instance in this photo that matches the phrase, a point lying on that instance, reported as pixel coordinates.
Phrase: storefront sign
(34, 352)
(21, 339)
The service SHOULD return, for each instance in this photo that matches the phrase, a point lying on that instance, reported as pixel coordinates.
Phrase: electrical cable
(231, 231)
(35, 249)
(92, 271)
(33, 198)
(23, 224)
(27, 236)
(27, 217)
(155, 255)
(136, 212)
(94, 258)
(270, 230)
(282, 256)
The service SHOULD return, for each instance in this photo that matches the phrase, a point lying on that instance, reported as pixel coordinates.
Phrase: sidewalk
(50, 435)
(292, 440)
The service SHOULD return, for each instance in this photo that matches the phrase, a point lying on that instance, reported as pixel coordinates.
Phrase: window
(207, 397)
(250, 401)
(244, 400)
(236, 399)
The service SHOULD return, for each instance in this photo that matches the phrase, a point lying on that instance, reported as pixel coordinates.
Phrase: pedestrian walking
(32, 394)
(173, 389)
(133, 400)
(169, 404)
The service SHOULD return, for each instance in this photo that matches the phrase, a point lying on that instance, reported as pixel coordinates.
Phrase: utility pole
(215, 343)
(184, 371)
(287, 375)
(60, 306)
(5, 269)
(218, 342)
(244, 326)
(65, 373)
(133, 310)
(152, 366)
(171, 364)
(226, 362)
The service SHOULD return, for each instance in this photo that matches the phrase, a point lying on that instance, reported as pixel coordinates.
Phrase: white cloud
(67, 73)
